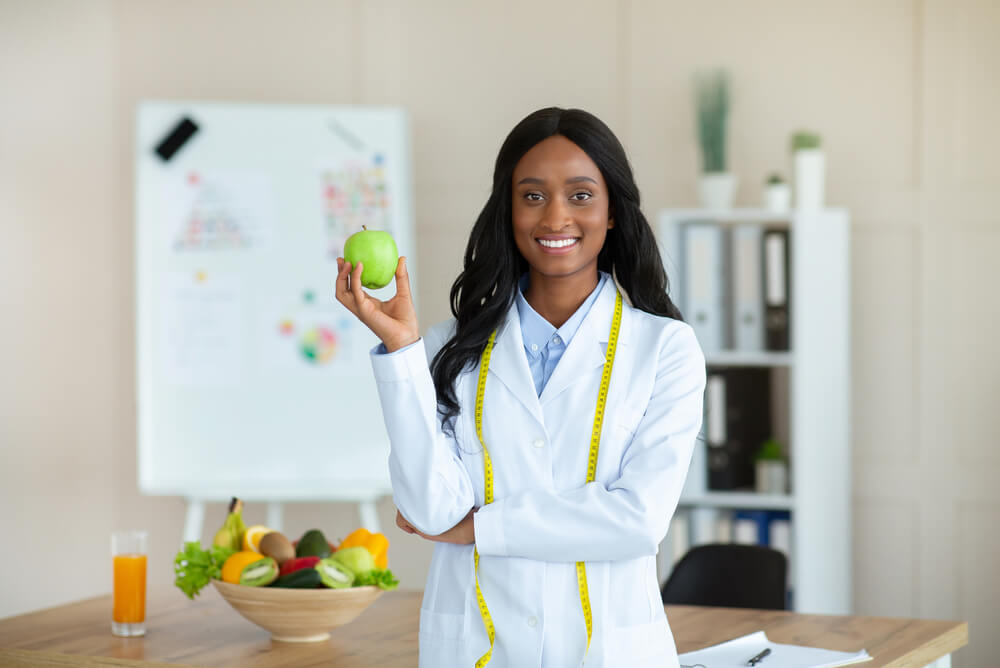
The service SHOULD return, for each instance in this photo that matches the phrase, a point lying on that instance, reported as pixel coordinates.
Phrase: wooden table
(207, 632)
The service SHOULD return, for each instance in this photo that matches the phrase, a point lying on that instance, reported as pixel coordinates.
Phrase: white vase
(771, 476)
(716, 190)
(777, 197)
(810, 175)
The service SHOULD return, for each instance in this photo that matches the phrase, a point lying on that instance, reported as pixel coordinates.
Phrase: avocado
(313, 544)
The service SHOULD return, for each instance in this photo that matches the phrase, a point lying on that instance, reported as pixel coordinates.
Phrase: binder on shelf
(704, 284)
(780, 532)
(776, 289)
(674, 545)
(738, 418)
(696, 481)
(680, 536)
(770, 528)
(745, 530)
(780, 537)
(703, 525)
(724, 528)
(747, 288)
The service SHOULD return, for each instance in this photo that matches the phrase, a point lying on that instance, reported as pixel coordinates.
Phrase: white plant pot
(810, 177)
(778, 198)
(716, 190)
(772, 476)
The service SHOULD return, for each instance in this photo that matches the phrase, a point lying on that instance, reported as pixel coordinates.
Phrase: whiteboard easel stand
(194, 518)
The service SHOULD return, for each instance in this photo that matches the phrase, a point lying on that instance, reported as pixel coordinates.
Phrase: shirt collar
(537, 331)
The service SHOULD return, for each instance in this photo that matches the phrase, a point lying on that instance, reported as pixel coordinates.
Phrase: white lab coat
(544, 517)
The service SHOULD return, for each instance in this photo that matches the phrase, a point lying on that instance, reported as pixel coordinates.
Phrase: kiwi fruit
(276, 546)
(260, 573)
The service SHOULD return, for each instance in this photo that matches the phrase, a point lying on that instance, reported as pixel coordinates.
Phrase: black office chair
(728, 575)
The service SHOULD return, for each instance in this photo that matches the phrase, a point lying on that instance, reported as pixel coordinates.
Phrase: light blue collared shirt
(543, 343)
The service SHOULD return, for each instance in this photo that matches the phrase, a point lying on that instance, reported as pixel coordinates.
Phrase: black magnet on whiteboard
(176, 138)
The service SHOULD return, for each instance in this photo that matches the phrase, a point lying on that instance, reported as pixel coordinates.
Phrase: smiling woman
(546, 520)
(560, 221)
(496, 256)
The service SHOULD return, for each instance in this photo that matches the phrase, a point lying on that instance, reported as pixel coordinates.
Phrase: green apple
(376, 251)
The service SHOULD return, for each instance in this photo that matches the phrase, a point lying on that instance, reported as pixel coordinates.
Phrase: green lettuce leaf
(195, 567)
(381, 578)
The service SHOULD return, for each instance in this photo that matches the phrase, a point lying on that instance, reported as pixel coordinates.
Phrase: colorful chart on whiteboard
(307, 334)
(221, 211)
(354, 194)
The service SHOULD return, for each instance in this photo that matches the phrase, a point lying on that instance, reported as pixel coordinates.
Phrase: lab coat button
(532, 621)
(538, 443)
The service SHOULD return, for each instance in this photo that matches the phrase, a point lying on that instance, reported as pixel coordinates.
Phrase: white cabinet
(810, 395)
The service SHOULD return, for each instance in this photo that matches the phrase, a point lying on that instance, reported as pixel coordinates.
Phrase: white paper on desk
(735, 653)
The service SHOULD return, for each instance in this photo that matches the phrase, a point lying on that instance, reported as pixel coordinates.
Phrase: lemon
(251, 539)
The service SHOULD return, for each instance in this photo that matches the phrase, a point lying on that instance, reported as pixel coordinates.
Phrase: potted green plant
(717, 186)
(777, 194)
(810, 170)
(771, 468)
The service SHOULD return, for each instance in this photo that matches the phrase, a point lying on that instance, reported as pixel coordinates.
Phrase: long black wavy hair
(486, 287)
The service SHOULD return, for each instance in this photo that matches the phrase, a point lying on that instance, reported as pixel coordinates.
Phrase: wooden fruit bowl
(298, 615)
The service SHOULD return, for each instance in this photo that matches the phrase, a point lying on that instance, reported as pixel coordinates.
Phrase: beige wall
(904, 92)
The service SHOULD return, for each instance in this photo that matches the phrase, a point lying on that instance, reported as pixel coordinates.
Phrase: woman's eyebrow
(575, 179)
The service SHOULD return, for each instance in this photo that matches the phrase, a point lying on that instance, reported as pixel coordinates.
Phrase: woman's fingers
(402, 279)
(356, 291)
(343, 291)
(403, 524)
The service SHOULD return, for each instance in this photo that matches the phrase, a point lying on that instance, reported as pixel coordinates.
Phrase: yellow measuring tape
(595, 443)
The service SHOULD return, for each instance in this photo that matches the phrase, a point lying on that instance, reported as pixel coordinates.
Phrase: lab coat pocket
(442, 625)
(618, 434)
(641, 645)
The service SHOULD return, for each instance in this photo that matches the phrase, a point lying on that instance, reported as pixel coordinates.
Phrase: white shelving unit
(817, 429)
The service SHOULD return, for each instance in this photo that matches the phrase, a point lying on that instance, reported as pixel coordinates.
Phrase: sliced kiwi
(260, 573)
(334, 574)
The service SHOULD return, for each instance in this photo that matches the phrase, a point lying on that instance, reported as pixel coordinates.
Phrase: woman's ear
(611, 223)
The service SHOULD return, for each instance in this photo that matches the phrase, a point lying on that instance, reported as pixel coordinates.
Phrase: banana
(231, 533)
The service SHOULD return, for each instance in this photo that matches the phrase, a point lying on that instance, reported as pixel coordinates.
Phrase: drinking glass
(128, 554)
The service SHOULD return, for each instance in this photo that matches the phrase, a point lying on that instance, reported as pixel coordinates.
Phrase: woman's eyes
(537, 197)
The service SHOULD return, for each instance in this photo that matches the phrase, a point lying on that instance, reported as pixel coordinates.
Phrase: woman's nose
(557, 215)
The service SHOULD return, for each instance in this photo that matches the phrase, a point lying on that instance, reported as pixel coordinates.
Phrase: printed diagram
(306, 335)
(222, 212)
(354, 194)
(200, 333)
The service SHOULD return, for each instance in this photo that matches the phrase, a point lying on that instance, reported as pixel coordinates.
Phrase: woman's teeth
(557, 243)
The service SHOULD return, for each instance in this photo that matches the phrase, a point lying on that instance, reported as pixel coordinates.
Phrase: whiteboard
(252, 379)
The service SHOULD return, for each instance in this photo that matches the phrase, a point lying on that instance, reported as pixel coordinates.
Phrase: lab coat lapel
(585, 352)
(510, 364)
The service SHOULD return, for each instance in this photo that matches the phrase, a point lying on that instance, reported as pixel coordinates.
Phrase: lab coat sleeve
(628, 518)
(430, 484)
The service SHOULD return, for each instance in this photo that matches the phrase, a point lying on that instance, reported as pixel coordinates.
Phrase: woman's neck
(556, 298)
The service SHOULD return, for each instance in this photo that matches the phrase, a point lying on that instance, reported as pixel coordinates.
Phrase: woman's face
(560, 209)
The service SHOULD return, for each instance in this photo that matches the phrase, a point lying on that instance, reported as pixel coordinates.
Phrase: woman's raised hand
(393, 321)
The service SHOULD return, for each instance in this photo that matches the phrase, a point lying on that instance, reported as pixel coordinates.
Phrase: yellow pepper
(375, 543)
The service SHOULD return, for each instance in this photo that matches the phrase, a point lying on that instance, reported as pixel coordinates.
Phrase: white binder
(705, 283)
(747, 288)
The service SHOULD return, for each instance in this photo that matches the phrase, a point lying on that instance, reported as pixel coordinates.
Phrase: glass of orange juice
(128, 554)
